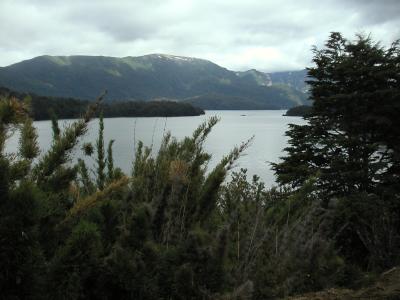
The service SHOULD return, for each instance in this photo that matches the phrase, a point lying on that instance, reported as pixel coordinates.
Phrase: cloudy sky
(237, 34)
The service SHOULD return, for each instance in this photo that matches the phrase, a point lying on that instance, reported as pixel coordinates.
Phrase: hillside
(294, 79)
(215, 101)
(42, 107)
(142, 78)
(221, 102)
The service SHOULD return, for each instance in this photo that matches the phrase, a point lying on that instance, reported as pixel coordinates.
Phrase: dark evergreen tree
(349, 143)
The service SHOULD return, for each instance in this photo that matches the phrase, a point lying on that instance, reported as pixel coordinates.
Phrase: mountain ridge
(145, 78)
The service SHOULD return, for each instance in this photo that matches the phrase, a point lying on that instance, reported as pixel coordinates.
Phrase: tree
(355, 92)
(350, 143)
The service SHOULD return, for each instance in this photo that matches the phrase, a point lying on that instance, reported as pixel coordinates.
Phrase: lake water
(268, 127)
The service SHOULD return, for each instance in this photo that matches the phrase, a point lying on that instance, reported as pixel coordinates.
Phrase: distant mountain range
(154, 77)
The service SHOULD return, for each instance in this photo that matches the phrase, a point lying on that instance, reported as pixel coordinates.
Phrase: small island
(298, 111)
(70, 108)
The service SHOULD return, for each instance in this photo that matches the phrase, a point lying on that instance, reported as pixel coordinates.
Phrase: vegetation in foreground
(43, 108)
(169, 230)
(386, 287)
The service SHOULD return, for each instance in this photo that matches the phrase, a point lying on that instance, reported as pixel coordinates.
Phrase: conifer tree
(348, 144)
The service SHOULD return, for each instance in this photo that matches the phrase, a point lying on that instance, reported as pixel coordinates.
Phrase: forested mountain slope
(141, 78)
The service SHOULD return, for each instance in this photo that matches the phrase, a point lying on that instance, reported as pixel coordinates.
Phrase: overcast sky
(237, 34)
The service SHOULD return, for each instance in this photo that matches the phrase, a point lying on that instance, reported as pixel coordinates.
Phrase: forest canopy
(43, 107)
(298, 111)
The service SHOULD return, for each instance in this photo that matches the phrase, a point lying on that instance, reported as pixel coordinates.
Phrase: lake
(267, 126)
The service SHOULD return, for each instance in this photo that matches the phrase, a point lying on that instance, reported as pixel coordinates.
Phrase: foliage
(350, 147)
(44, 108)
(172, 229)
(101, 163)
(299, 111)
(159, 233)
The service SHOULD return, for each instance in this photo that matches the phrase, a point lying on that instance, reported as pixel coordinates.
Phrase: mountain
(254, 76)
(216, 101)
(221, 102)
(294, 79)
(145, 78)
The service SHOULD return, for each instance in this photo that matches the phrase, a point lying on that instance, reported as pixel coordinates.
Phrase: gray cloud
(263, 34)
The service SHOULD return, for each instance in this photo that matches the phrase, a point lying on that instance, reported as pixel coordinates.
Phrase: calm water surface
(268, 127)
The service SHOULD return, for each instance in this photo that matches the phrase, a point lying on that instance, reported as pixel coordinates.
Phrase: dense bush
(158, 233)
